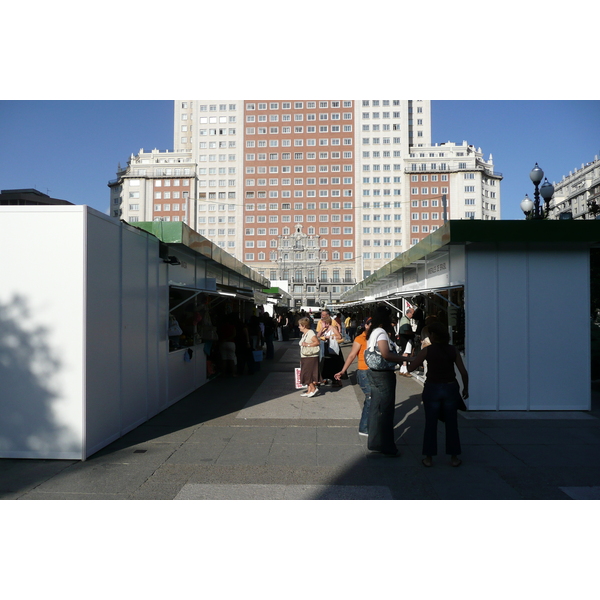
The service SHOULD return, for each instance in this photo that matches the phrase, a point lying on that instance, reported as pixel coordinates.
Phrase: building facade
(577, 196)
(318, 193)
(449, 181)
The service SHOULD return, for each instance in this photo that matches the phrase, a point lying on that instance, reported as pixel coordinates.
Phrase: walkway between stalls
(255, 437)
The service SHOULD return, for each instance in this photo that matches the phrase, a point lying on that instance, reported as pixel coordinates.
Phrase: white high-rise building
(317, 192)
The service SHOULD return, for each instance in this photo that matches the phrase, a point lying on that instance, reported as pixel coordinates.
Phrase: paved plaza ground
(255, 437)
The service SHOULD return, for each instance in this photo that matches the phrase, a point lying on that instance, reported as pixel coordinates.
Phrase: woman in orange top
(358, 349)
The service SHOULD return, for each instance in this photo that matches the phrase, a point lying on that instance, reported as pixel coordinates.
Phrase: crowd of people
(381, 346)
(384, 348)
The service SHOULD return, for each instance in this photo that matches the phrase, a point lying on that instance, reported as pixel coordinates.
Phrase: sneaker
(363, 433)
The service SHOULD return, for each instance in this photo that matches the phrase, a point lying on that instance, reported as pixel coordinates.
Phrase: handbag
(308, 350)
(375, 360)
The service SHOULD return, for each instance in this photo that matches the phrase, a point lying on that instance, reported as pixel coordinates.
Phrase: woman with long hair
(333, 359)
(358, 350)
(441, 394)
(383, 386)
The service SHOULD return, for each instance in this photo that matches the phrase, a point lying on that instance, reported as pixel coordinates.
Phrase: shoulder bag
(375, 360)
(306, 351)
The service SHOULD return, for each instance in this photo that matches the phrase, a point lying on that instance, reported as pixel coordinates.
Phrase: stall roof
(178, 233)
(548, 232)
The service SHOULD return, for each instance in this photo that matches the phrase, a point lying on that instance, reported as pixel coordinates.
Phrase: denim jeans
(381, 412)
(441, 399)
(365, 386)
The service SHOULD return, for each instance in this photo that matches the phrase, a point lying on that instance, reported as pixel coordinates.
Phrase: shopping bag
(299, 385)
(257, 355)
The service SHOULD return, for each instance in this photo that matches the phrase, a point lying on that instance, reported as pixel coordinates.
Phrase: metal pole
(445, 206)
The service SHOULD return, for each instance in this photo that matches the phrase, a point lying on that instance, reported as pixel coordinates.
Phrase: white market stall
(516, 295)
(84, 312)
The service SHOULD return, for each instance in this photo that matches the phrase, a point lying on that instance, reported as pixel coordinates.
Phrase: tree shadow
(29, 423)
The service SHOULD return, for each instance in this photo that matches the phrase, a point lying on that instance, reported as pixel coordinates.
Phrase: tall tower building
(314, 193)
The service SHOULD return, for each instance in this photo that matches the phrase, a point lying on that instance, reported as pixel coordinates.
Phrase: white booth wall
(84, 352)
(527, 321)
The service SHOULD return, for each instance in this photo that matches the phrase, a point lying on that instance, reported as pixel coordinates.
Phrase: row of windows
(375, 230)
(381, 205)
(386, 192)
(377, 140)
(378, 255)
(299, 105)
(386, 217)
(367, 180)
(299, 142)
(381, 154)
(169, 195)
(298, 129)
(415, 178)
(173, 183)
(299, 117)
(300, 206)
(426, 191)
(384, 167)
(424, 203)
(213, 157)
(300, 156)
(221, 220)
(213, 182)
(212, 107)
(249, 256)
(425, 216)
(423, 228)
(383, 115)
(300, 194)
(300, 181)
(383, 103)
(213, 232)
(285, 231)
(382, 242)
(323, 243)
(348, 218)
(214, 171)
(299, 169)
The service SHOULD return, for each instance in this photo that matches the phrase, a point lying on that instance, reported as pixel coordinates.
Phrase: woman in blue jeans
(358, 349)
(441, 393)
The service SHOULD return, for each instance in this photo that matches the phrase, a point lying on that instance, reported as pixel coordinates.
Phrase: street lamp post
(532, 209)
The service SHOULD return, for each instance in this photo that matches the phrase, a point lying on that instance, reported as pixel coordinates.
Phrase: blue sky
(71, 149)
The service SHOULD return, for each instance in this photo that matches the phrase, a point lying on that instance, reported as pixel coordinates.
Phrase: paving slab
(282, 492)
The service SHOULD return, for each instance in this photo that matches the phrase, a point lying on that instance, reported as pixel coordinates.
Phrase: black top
(440, 363)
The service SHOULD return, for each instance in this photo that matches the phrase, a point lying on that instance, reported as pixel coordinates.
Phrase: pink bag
(299, 386)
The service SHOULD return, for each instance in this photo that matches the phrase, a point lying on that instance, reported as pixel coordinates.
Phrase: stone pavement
(255, 437)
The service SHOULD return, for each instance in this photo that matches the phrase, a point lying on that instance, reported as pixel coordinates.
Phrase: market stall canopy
(177, 233)
(279, 295)
(429, 264)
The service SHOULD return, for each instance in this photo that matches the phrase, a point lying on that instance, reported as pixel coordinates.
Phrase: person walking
(441, 394)
(358, 350)
(309, 357)
(383, 386)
